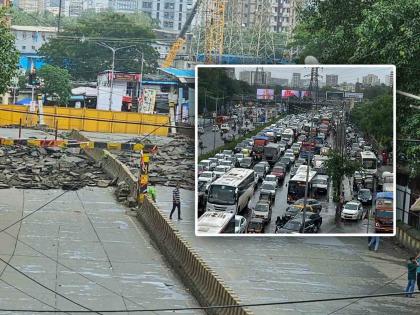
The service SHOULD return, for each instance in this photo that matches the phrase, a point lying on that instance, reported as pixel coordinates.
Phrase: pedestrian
(418, 271)
(151, 190)
(176, 202)
(412, 266)
(374, 243)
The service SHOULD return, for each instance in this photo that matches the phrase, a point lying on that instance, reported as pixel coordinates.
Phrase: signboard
(305, 94)
(290, 93)
(125, 76)
(265, 94)
(353, 95)
(149, 100)
(330, 95)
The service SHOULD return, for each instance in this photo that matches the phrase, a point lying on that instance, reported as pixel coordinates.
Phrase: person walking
(412, 266)
(176, 202)
(374, 243)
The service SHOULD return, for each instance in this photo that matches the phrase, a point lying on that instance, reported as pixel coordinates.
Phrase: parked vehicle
(353, 210)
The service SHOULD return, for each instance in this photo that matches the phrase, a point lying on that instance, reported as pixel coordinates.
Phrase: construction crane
(180, 41)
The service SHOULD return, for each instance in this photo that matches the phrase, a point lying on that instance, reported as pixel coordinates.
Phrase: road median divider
(207, 287)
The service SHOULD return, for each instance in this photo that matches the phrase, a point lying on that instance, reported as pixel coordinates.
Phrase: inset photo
(295, 150)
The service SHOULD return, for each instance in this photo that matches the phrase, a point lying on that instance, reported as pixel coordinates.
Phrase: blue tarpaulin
(179, 73)
(25, 101)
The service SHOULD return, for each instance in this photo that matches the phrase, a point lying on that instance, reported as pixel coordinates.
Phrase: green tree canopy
(8, 54)
(56, 83)
(77, 47)
(370, 32)
(214, 82)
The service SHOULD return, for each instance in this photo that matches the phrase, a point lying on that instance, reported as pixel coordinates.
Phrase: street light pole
(141, 83)
(111, 85)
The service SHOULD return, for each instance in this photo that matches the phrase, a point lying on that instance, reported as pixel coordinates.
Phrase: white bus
(215, 222)
(232, 191)
(369, 162)
(296, 185)
(288, 136)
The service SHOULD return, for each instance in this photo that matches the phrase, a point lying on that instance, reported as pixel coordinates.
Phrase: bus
(384, 212)
(272, 153)
(216, 222)
(296, 185)
(369, 162)
(232, 191)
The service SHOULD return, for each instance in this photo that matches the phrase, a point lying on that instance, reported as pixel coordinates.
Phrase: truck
(384, 212)
(258, 146)
(272, 153)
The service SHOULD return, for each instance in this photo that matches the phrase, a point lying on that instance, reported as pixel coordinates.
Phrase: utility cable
(230, 306)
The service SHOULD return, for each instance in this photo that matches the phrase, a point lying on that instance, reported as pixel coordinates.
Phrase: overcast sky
(350, 74)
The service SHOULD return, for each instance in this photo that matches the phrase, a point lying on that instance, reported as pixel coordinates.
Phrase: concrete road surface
(266, 269)
(89, 232)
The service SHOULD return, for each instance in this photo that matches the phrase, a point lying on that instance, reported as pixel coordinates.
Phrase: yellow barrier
(132, 123)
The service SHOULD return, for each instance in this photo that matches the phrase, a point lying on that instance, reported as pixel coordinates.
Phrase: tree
(77, 47)
(20, 17)
(370, 32)
(338, 166)
(9, 56)
(56, 83)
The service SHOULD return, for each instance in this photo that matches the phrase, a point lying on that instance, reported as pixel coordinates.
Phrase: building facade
(296, 80)
(371, 79)
(331, 80)
(255, 77)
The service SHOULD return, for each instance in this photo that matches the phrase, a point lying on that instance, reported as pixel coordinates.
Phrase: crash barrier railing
(65, 143)
(206, 286)
(408, 236)
(93, 120)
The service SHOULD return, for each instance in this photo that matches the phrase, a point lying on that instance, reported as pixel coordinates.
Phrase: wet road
(98, 255)
(266, 269)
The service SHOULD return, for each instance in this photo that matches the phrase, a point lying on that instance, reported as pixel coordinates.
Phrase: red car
(279, 172)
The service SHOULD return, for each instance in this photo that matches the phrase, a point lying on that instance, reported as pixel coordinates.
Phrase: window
(157, 14)
(180, 8)
(43, 37)
(169, 5)
(23, 47)
(158, 6)
(168, 15)
(180, 17)
(147, 5)
(179, 26)
(33, 48)
(23, 35)
(168, 24)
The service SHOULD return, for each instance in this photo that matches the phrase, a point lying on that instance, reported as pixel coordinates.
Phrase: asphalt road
(212, 140)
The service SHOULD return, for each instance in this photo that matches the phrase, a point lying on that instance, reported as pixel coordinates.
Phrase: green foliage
(375, 118)
(370, 32)
(214, 82)
(56, 83)
(77, 49)
(338, 166)
(9, 56)
(20, 17)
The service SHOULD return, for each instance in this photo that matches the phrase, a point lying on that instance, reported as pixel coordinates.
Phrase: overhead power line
(220, 306)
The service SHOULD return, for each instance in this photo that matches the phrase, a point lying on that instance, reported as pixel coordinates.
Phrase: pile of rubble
(174, 163)
(48, 168)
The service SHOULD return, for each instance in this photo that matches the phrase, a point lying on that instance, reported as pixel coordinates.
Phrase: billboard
(265, 94)
(354, 95)
(290, 93)
(330, 95)
(305, 94)
(148, 102)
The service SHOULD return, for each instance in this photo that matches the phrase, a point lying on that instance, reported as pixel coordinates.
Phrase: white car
(239, 157)
(271, 179)
(290, 156)
(200, 130)
(269, 188)
(240, 224)
(207, 177)
(225, 127)
(220, 170)
(353, 210)
(215, 128)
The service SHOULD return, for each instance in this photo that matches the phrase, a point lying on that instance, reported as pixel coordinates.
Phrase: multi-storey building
(371, 79)
(331, 80)
(296, 81)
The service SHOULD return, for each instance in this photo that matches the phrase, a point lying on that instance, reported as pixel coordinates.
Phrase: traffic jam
(277, 182)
